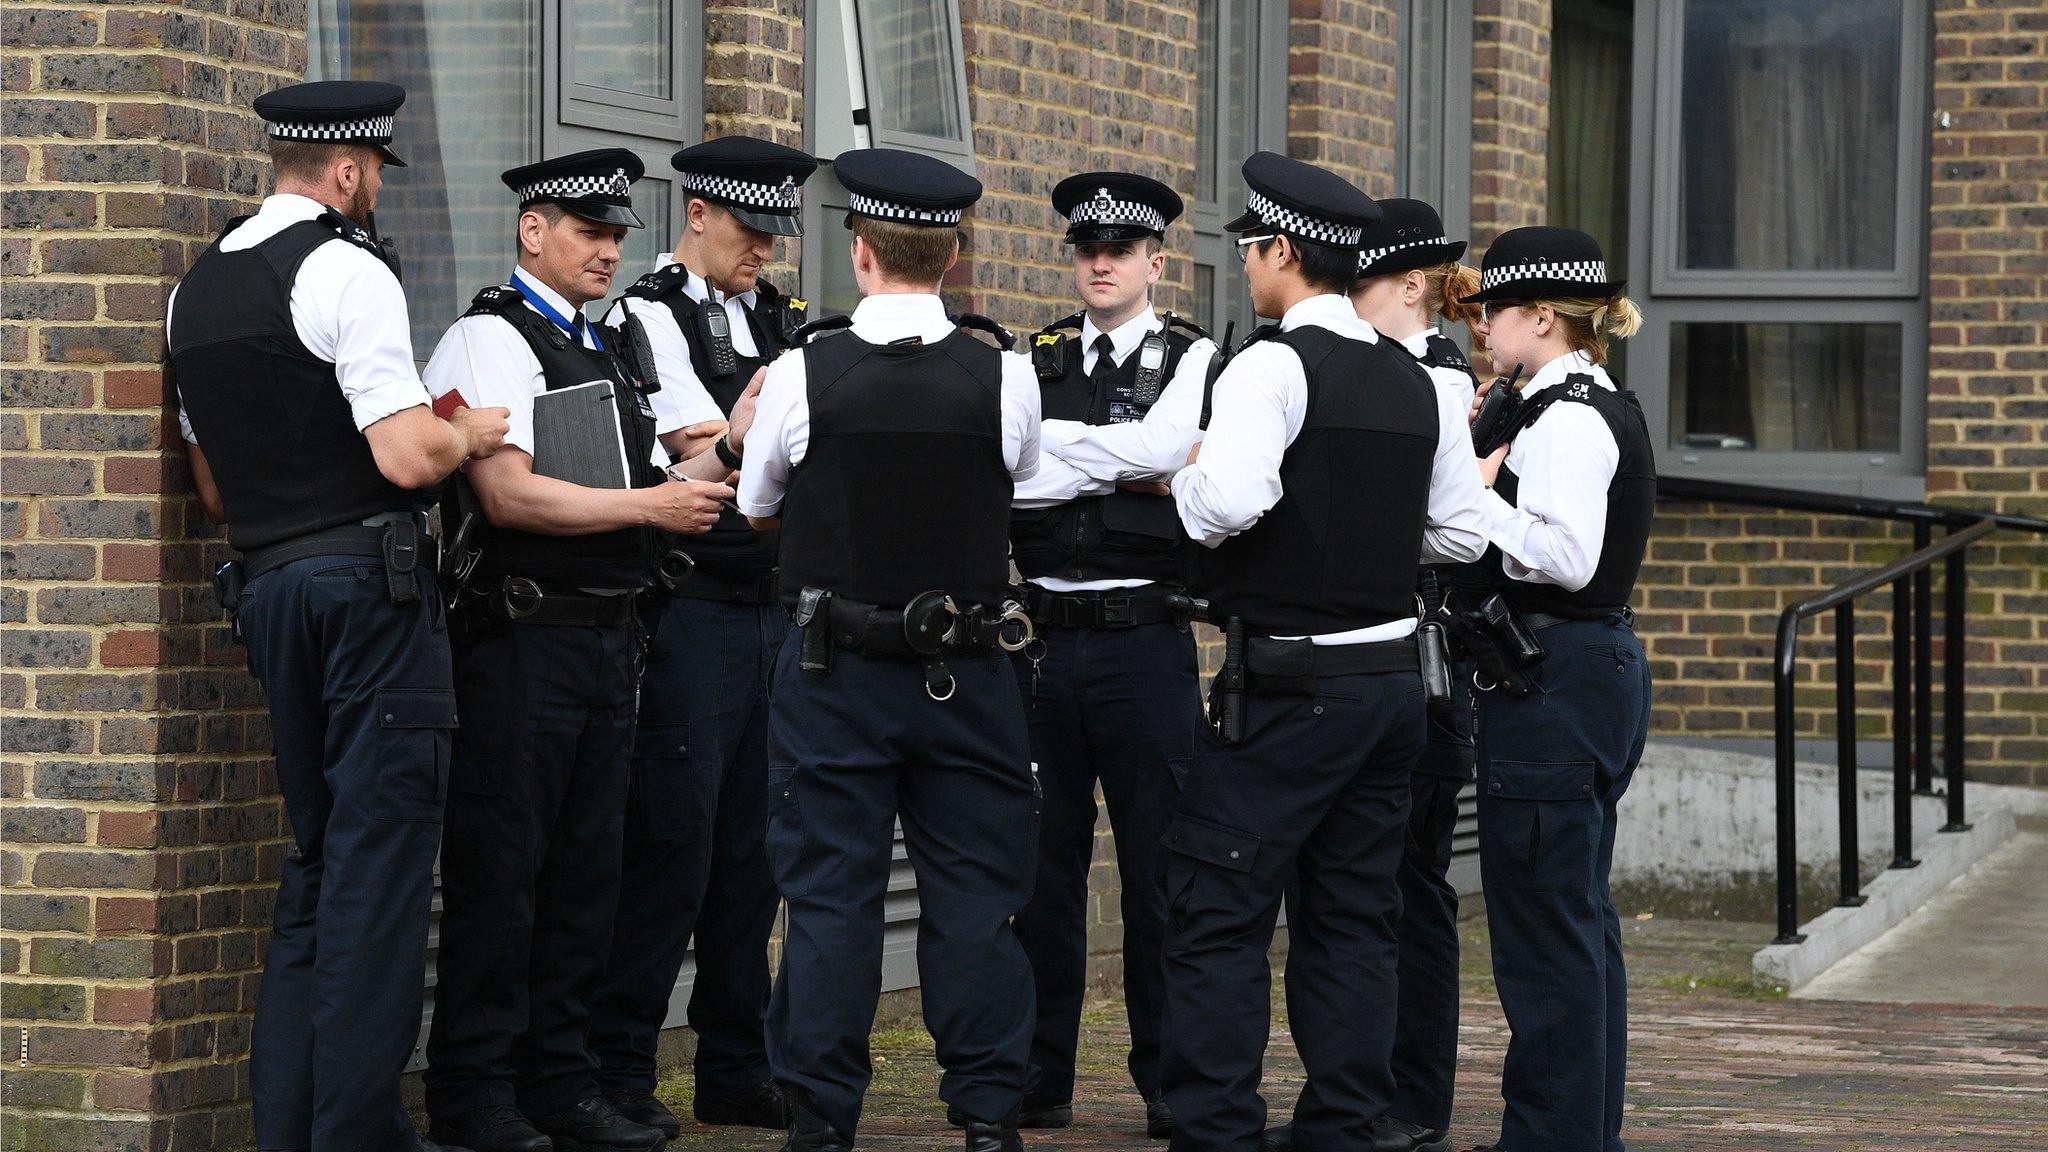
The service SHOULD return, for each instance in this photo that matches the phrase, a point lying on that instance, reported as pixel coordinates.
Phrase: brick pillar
(1510, 116)
(1343, 77)
(143, 835)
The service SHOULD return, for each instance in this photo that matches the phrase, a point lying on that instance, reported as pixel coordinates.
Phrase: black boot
(642, 1108)
(1279, 1138)
(1158, 1117)
(1392, 1135)
(993, 1137)
(808, 1131)
(499, 1128)
(593, 1125)
(761, 1106)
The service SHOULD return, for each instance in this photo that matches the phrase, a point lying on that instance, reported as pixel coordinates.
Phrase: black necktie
(1105, 360)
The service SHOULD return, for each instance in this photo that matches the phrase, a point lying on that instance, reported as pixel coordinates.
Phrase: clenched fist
(685, 507)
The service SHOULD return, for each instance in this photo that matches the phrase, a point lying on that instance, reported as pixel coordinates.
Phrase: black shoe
(993, 1137)
(1279, 1138)
(808, 1131)
(761, 1106)
(593, 1125)
(431, 1146)
(1158, 1117)
(1392, 1135)
(1036, 1112)
(642, 1108)
(499, 1128)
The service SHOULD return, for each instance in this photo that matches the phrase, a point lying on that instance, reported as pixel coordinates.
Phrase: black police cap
(755, 180)
(1544, 263)
(335, 112)
(904, 187)
(1409, 235)
(1306, 202)
(596, 185)
(1105, 207)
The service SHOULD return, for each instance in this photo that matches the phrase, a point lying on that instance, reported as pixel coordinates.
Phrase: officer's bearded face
(1114, 277)
(369, 179)
(732, 254)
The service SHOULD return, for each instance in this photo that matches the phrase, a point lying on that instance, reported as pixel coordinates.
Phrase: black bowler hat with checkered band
(756, 180)
(335, 112)
(904, 187)
(1409, 235)
(596, 185)
(1544, 263)
(1306, 202)
(1107, 207)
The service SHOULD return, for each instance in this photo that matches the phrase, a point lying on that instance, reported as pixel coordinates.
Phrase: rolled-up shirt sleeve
(1455, 530)
(1554, 531)
(487, 362)
(682, 399)
(777, 441)
(1020, 417)
(347, 307)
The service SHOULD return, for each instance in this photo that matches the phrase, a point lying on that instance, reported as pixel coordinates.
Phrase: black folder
(576, 436)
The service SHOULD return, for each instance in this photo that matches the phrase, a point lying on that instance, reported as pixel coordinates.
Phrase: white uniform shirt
(487, 362)
(1564, 462)
(347, 308)
(1081, 459)
(782, 417)
(1255, 414)
(683, 399)
(1456, 379)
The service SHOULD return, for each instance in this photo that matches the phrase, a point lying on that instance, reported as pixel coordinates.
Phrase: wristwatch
(726, 455)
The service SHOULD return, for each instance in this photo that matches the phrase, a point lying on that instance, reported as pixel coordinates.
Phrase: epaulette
(975, 322)
(505, 301)
(822, 326)
(1445, 353)
(360, 236)
(1193, 330)
(494, 300)
(658, 283)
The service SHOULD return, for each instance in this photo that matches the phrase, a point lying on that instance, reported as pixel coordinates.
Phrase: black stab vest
(277, 431)
(902, 488)
(1123, 535)
(623, 558)
(732, 550)
(1339, 550)
(1631, 504)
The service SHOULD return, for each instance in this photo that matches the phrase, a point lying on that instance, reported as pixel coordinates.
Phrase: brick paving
(1716, 1063)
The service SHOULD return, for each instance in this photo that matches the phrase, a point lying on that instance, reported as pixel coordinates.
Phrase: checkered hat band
(1306, 227)
(773, 197)
(372, 128)
(1102, 211)
(1587, 271)
(883, 209)
(1375, 255)
(577, 187)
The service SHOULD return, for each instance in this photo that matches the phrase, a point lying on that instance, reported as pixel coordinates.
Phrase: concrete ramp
(1977, 941)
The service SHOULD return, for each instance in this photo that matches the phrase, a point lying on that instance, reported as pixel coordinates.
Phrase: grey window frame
(1668, 296)
(959, 153)
(587, 117)
(1438, 72)
(1268, 89)
(1669, 278)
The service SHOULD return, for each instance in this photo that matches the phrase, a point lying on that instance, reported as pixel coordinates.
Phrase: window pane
(908, 52)
(1420, 95)
(1241, 99)
(1205, 298)
(1786, 387)
(1790, 134)
(1592, 48)
(644, 247)
(469, 69)
(1208, 86)
(623, 45)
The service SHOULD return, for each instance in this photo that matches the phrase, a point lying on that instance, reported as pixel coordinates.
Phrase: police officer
(1111, 681)
(546, 677)
(292, 354)
(1571, 504)
(888, 450)
(695, 815)
(1330, 466)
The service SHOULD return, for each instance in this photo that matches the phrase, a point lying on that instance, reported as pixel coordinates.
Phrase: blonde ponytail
(1589, 322)
(1447, 283)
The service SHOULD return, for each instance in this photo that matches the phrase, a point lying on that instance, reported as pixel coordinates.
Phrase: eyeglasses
(1244, 246)
(1493, 308)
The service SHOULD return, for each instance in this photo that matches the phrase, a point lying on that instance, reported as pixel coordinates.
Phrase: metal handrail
(1911, 580)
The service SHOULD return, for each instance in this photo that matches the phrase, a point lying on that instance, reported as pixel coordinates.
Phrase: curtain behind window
(469, 68)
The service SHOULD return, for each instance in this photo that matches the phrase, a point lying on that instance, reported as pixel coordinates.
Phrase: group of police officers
(883, 567)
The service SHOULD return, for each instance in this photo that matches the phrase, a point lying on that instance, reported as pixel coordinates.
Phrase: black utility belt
(1108, 608)
(703, 585)
(520, 600)
(927, 630)
(1293, 667)
(397, 539)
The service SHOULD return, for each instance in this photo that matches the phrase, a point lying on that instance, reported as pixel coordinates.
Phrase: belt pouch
(1282, 667)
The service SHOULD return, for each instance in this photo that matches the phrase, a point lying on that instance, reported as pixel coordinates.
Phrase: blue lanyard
(541, 306)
